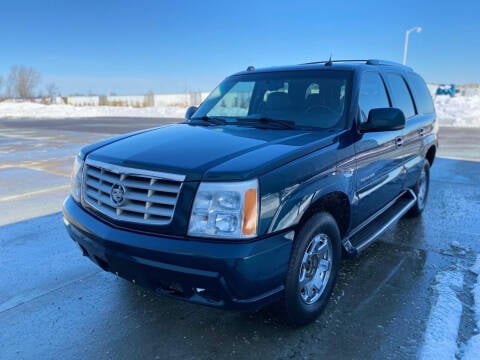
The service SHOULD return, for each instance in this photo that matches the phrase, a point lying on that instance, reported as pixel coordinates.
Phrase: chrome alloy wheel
(315, 268)
(422, 189)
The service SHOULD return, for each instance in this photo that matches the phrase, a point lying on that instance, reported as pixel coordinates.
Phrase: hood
(212, 153)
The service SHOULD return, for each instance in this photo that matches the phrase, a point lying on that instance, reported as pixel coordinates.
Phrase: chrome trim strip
(370, 188)
(135, 171)
(413, 162)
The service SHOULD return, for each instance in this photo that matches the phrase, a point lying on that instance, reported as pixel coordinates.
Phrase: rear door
(379, 164)
(416, 125)
(418, 128)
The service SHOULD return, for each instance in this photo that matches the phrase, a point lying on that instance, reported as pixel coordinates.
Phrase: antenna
(329, 62)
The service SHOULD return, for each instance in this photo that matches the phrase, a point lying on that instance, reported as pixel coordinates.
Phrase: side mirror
(383, 119)
(190, 111)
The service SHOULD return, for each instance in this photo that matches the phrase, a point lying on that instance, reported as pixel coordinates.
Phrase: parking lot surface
(54, 303)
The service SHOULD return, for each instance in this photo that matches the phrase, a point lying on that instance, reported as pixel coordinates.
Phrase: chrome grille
(130, 194)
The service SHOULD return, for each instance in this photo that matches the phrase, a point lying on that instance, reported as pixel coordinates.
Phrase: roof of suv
(329, 65)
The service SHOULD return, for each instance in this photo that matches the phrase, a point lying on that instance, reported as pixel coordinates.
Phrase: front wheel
(421, 190)
(313, 268)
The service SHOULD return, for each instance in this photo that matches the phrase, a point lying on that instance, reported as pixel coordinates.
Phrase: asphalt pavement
(54, 303)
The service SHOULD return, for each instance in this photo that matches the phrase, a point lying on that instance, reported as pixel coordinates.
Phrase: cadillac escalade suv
(255, 198)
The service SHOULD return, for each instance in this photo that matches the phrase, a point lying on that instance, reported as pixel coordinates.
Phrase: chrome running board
(371, 229)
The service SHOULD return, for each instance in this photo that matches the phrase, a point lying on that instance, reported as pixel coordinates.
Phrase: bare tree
(52, 91)
(22, 80)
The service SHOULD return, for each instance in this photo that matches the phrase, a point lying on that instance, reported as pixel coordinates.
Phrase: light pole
(405, 48)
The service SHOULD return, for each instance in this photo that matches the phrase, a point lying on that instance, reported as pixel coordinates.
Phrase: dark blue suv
(252, 199)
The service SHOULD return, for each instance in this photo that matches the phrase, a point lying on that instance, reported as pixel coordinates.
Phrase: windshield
(308, 99)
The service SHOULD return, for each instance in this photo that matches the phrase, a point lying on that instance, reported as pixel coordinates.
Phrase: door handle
(421, 132)
(399, 141)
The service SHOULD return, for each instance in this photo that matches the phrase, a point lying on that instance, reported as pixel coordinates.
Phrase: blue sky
(130, 47)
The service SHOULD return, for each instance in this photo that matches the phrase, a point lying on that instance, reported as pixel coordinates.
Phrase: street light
(405, 48)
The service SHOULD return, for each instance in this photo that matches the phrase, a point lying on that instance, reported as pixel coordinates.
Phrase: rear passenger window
(421, 95)
(400, 95)
(372, 94)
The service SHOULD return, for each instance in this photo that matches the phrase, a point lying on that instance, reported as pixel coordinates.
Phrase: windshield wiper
(266, 123)
(207, 121)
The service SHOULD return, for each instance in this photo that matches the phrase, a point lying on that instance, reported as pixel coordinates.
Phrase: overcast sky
(130, 47)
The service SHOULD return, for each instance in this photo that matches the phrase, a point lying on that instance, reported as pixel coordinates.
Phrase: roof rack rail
(387, 63)
(333, 61)
(366, 61)
(382, 62)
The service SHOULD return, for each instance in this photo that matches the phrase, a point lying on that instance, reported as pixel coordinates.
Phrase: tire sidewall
(425, 168)
(300, 313)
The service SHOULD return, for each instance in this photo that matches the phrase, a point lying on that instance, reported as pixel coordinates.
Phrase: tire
(310, 277)
(421, 190)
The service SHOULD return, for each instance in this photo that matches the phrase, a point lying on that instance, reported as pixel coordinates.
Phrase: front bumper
(227, 274)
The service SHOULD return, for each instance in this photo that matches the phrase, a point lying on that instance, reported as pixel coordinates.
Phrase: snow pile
(34, 110)
(472, 349)
(444, 321)
(458, 111)
(476, 270)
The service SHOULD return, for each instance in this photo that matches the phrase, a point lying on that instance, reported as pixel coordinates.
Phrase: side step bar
(371, 229)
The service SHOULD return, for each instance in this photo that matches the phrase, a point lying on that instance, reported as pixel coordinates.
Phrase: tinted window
(421, 95)
(311, 99)
(236, 102)
(372, 94)
(400, 95)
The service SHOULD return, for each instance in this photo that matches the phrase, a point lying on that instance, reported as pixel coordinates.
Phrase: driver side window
(372, 94)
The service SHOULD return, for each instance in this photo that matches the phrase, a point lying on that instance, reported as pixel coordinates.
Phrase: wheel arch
(336, 204)
(430, 155)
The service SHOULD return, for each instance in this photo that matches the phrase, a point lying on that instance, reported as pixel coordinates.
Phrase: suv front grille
(129, 194)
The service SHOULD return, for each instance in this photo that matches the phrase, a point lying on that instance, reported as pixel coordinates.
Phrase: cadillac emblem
(117, 194)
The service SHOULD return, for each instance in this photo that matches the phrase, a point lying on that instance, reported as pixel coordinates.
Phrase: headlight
(76, 179)
(225, 210)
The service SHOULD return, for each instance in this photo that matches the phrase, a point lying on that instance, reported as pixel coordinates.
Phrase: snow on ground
(476, 293)
(442, 328)
(34, 110)
(472, 349)
(441, 334)
(476, 268)
(459, 111)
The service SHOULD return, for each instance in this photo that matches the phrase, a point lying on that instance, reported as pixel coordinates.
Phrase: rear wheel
(421, 190)
(313, 269)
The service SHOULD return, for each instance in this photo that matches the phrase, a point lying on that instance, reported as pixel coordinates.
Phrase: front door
(379, 175)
